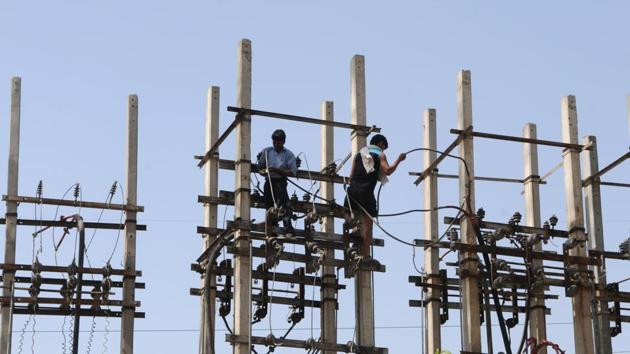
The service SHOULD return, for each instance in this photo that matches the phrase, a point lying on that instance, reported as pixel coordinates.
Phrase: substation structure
(509, 268)
(37, 289)
(256, 250)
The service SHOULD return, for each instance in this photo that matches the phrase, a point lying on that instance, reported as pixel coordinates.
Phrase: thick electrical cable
(273, 197)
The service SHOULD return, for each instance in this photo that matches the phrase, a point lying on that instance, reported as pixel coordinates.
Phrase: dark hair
(279, 134)
(378, 138)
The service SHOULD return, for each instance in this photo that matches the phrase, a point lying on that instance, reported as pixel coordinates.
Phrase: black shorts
(361, 198)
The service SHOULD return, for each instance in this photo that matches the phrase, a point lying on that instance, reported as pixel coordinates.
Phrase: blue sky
(79, 61)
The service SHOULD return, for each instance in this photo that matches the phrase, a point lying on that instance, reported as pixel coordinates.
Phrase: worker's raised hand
(402, 157)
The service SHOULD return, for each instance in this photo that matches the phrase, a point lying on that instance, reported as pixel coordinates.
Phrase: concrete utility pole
(127, 324)
(431, 255)
(211, 189)
(242, 262)
(328, 292)
(593, 202)
(537, 322)
(582, 325)
(11, 214)
(469, 262)
(364, 301)
(129, 288)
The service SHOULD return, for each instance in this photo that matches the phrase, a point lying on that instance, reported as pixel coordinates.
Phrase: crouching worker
(369, 166)
(276, 163)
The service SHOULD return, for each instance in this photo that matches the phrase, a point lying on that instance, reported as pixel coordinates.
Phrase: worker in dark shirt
(369, 166)
(276, 163)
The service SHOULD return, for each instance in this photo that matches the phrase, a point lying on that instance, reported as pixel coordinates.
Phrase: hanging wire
(122, 213)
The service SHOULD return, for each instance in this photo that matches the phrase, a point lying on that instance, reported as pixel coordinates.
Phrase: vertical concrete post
(11, 214)
(129, 281)
(242, 262)
(211, 189)
(431, 255)
(364, 301)
(328, 292)
(471, 329)
(582, 325)
(537, 322)
(595, 227)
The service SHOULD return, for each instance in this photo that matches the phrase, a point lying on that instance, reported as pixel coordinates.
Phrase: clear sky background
(79, 60)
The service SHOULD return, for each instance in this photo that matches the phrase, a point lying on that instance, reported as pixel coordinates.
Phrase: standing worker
(276, 163)
(368, 167)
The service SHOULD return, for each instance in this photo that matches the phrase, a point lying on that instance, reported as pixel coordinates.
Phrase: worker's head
(278, 138)
(380, 141)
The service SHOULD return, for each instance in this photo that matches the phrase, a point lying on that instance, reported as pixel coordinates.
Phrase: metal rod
(254, 112)
(615, 184)
(479, 178)
(60, 223)
(303, 174)
(74, 203)
(606, 169)
(218, 143)
(442, 156)
(519, 139)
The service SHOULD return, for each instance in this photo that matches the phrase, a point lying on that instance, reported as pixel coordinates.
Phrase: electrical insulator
(553, 221)
(298, 162)
(71, 282)
(481, 213)
(40, 189)
(112, 191)
(624, 247)
(77, 191)
(106, 285)
(453, 235)
(546, 225)
(255, 193)
(306, 197)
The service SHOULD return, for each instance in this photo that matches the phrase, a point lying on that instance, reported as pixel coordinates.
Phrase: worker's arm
(389, 169)
(291, 169)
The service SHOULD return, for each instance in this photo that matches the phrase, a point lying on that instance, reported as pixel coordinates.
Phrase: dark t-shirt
(360, 179)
